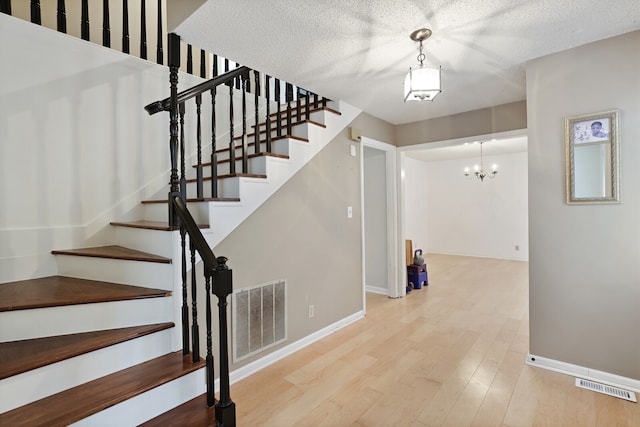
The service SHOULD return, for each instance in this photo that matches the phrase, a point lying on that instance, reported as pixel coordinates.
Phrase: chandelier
(479, 171)
(422, 83)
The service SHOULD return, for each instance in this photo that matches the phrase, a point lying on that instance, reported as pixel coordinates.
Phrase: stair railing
(218, 280)
(266, 90)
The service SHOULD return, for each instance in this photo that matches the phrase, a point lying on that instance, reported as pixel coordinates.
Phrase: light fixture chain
(421, 56)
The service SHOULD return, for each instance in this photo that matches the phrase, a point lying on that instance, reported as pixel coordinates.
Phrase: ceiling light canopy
(422, 83)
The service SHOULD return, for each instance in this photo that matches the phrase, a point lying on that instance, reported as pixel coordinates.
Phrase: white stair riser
(199, 210)
(22, 389)
(42, 322)
(158, 242)
(150, 404)
(137, 273)
(256, 165)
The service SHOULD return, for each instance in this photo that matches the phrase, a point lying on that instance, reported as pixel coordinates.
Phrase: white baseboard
(283, 352)
(377, 290)
(585, 373)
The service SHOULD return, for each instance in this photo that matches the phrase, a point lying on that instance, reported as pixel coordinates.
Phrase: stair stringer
(225, 217)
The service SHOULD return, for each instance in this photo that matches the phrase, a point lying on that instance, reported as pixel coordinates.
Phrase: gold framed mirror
(592, 158)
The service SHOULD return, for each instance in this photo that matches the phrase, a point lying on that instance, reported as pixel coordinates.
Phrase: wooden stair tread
(231, 175)
(57, 291)
(151, 225)
(204, 199)
(17, 357)
(77, 403)
(114, 252)
(296, 123)
(251, 156)
(263, 141)
(193, 413)
(283, 113)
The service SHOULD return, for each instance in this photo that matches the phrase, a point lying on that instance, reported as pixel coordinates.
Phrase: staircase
(97, 344)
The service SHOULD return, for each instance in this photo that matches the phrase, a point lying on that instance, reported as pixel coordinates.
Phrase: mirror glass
(592, 158)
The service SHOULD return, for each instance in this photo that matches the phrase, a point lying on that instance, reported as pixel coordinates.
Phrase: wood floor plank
(17, 357)
(72, 405)
(449, 354)
(60, 290)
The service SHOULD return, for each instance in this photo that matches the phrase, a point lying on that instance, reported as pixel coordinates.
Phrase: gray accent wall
(302, 234)
(500, 118)
(584, 259)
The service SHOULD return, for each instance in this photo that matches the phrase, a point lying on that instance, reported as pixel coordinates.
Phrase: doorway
(379, 218)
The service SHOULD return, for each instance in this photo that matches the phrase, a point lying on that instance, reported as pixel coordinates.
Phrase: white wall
(585, 259)
(375, 217)
(447, 212)
(77, 149)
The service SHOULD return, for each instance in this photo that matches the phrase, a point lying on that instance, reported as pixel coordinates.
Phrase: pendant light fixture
(479, 171)
(422, 83)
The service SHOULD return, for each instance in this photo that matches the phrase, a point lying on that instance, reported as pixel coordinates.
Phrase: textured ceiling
(360, 51)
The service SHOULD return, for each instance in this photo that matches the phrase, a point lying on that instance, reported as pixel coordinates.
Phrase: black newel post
(211, 399)
(174, 65)
(222, 288)
(143, 30)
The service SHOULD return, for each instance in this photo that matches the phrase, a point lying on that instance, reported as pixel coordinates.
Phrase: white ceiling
(360, 51)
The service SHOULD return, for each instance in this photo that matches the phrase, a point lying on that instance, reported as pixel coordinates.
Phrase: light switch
(352, 147)
(349, 212)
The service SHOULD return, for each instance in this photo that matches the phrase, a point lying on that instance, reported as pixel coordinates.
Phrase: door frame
(394, 280)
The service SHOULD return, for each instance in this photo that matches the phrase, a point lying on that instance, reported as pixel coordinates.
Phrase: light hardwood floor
(450, 354)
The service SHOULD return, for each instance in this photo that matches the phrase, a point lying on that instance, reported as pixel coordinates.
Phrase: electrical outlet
(311, 311)
(517, 247)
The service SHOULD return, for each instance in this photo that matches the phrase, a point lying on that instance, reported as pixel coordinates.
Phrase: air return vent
(259, 318)
(607, 389)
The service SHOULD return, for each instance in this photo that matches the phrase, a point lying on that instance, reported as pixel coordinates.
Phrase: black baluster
(298, 106)
(215, 66)
(195, 330)
(199, 178)
(84, 25)
(245, 160)
(203, 64)
(5, 6)
(189, 59)
(222, 288)
(183, 167)
(226, 65)
(185, 304)
(279, 108)
(315, 100)
(237, 81)
(125, 26)
(289, 96)
(209, 360)
(307, 112)
(267, 94)
(174, 65)
(62, 17)
(256, 96)
(106, 29)
(232, 145)
(159, 52)
(214, 155)
(143, 30)
(324, 102)
(36, 17)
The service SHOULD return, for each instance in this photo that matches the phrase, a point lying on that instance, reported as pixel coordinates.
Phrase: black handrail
(165, 104)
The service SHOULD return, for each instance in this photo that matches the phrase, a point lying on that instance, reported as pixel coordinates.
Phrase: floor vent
(607, 389)
(259, 318)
